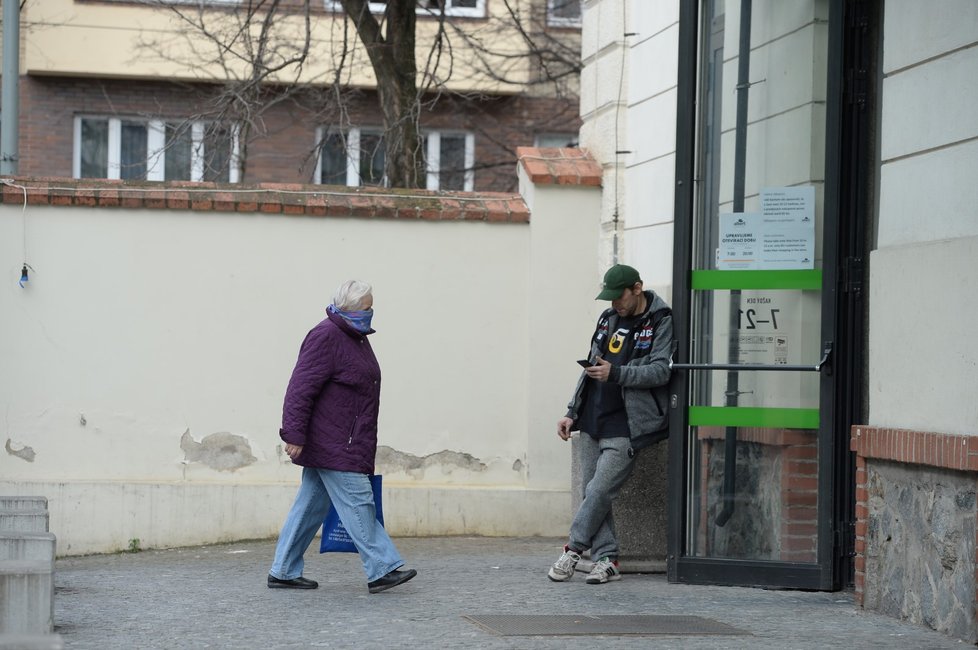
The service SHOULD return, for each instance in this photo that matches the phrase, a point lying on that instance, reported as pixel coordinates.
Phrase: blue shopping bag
(335, 538)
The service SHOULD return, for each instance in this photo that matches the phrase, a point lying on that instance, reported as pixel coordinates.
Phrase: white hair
(350, 294)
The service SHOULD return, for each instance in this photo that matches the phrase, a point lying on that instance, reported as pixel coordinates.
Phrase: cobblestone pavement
(215, 597)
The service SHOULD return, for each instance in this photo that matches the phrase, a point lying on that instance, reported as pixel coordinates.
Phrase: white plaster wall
(650, 172)
(923, 354)
(649, 250)
(150, 324)
(603, 80)
(927, 174)
(564, 279)
(929, 197)
(910, 93)
(628, 103)
(140, 326)
(917, 31)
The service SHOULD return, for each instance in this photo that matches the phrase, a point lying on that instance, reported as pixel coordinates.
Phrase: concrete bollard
(40, 547)
(24, 521)
(26, 597)
(31, 642)
(23, 503)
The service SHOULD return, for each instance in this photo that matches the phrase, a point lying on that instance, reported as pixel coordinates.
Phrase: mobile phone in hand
(584, 363)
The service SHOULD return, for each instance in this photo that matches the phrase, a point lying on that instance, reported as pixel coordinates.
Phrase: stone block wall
(916, 527)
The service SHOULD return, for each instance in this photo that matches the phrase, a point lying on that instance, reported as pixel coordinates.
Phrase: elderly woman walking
(329, 425)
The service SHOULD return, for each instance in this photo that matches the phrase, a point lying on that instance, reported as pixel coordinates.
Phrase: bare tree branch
(269, 53)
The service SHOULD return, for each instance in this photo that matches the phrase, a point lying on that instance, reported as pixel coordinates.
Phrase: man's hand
(600, 370)
(293, 450)
(564, 428)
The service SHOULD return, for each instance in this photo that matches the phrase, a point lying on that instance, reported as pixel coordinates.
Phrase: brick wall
(280, 148)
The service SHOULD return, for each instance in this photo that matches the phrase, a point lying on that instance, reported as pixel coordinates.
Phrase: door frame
(835, 481)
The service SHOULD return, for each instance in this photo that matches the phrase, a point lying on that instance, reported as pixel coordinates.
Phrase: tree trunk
(392, 55)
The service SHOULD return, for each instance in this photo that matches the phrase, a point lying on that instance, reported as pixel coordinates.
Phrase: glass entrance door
(752, 370)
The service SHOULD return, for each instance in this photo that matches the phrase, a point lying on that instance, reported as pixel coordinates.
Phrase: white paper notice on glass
(740, 241)
(788, 240)
(780, 236)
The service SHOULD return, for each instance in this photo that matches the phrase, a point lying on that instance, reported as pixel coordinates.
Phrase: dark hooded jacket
(643, 376)
(333, 398)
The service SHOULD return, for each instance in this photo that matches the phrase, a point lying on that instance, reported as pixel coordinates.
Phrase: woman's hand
(293, 450)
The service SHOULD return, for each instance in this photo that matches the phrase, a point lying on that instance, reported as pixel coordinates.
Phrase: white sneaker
(563, 568)
(604, 570)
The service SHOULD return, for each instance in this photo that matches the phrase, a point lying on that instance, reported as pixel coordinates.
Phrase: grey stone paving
(215, 597)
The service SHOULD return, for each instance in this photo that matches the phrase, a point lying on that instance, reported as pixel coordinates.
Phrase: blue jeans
(605, 465)
(350, 493)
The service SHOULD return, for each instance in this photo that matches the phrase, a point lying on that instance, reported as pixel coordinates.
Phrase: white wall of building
(922, 353)
(143, 367)
(628, 103)
(922, 361)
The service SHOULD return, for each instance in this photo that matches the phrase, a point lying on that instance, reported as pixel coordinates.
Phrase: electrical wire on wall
(26, 269)
(618, 151)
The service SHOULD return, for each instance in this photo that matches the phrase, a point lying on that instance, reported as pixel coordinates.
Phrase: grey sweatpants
(605, 465)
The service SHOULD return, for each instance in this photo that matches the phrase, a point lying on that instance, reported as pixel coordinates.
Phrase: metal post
(740, 174)
(9, 95)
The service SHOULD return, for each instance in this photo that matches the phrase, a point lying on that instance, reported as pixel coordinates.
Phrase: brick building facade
(285, 152)
(179, 91)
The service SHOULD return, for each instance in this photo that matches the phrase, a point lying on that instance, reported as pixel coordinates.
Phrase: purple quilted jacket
(333, 398)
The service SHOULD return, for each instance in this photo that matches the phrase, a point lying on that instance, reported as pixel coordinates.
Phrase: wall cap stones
(554, 166)
(268, 198)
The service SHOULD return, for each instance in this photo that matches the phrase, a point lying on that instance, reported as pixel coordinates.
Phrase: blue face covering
(359, 320)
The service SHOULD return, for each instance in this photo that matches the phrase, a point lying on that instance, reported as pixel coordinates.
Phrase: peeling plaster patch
(222, 451)
(518, 465)
(24, 453)
(415, 466)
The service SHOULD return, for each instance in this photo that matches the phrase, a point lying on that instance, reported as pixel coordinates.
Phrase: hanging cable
(618, 151)
(24, 270)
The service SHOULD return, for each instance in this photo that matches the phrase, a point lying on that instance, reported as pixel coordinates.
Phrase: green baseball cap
(618, 278)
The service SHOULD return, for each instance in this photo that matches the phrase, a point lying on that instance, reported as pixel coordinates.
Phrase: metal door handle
(825, 364)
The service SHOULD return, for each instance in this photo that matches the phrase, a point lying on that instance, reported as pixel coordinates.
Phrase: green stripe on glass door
(804, 279)
(750, 416)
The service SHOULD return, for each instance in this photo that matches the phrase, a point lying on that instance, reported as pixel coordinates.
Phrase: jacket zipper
(356, 417)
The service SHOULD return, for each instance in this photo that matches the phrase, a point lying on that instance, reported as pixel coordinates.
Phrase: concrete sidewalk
(215, 597)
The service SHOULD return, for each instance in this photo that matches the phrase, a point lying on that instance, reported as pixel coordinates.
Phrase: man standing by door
(620, 406)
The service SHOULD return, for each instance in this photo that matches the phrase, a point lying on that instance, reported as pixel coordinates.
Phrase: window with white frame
(356, 157)
(450, 159)
(155, 150)
(564, 13)
(461, 8)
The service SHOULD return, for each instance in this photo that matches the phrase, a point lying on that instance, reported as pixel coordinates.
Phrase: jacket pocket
(660, 397)
(646, 410)
(353, 430)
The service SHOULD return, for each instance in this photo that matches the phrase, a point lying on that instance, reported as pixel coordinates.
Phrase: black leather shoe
(392, 579)
(295, 583)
